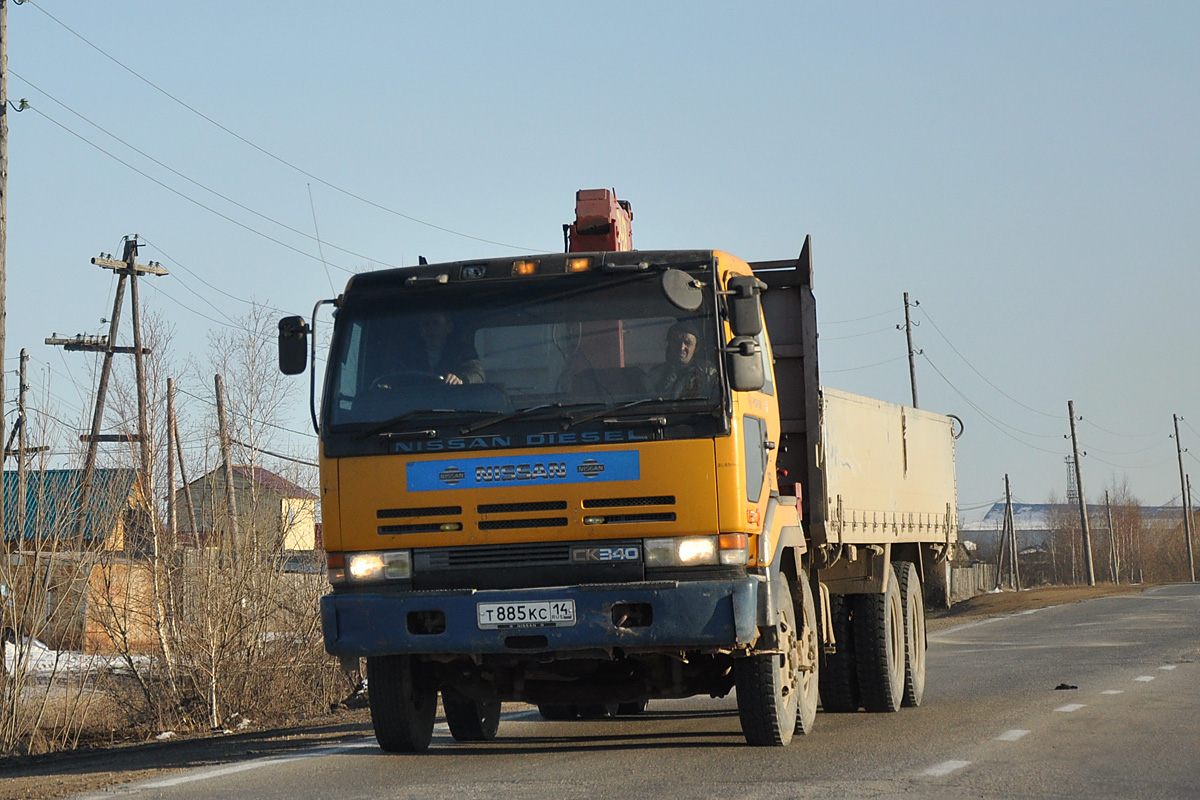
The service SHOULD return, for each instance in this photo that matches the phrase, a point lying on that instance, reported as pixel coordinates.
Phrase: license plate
(528, 614)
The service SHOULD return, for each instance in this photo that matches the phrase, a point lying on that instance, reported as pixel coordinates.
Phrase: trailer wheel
(558, 712)
(912, 599)
(470, 720)
(768, 685)
(879, 647)
(403, 703)
(839, 675)
(810, 649)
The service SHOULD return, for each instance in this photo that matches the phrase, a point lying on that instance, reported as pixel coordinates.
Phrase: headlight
(386, 565)
(684, 551)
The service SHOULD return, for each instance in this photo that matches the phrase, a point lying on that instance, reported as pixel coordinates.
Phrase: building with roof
(267, 505)
(117, 516)
(1034, 523)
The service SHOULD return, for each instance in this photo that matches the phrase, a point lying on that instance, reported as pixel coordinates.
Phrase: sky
(1028, 172)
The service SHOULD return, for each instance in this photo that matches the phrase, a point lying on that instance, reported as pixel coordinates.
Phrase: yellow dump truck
(590, 479)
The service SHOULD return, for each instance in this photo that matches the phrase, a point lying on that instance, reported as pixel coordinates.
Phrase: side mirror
(293, 345)
(745, 311)
(682, 290)
(744, 365)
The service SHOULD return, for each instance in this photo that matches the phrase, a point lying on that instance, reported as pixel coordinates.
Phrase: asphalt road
(993, 725)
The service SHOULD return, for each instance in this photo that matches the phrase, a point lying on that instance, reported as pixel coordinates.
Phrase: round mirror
(682, 290)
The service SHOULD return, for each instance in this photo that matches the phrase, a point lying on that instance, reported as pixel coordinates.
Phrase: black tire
(470, 720)
(912, 601)
(810, 651)
(558, 712)
(879, 647)
(403, 703)
(632, 708)
(839, 673)
(768, 684)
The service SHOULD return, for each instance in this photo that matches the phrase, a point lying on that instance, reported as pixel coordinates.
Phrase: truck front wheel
(879, 647)
(470, 720)
(403, 703)
(810, 662)
(769, 685)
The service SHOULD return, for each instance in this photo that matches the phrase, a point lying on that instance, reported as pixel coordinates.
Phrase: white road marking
(192, 776)
(1144, 678)
(1113, 691)
(1167, 666)
(1011, 736)
(1070, 708)
(945, 768)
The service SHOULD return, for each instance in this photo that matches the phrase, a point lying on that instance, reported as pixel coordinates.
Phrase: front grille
(508, 555)
(433, 511)
(420, 527)
(509, 524)
(619, 502)
(511, 508)
(613, 519)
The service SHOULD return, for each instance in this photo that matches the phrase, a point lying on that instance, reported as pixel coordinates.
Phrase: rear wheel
(810, 661)
(558, 712)
(839, 673)
(879, 647)
(403, 704)
(470, 720)
(768, 685)
(912, 601)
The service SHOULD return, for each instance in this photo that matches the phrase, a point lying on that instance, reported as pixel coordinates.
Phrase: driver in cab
(443, 357)
(682, 374)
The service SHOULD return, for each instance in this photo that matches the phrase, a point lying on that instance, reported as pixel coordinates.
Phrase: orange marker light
(579, 264)
(524, 267)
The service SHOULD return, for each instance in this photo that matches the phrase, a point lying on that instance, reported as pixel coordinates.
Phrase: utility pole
(912, 366)
(1083, 519)
(1113, 562)
(1183, 497)
(22, 478)
(1189, 514)
(3, 216)
(230, 495)
(127, 269)
(1011, 523)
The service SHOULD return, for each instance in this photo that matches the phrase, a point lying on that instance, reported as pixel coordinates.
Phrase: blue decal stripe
(537, 470)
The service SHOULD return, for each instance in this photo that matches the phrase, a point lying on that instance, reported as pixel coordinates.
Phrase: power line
(1126, 466)
(263, 150)
(200, 185)
(864, 366)
(1115, 433)
(305, 434)
(180, 194)
(987, 417)
(856, 335)
(860, 319)
(925, 311)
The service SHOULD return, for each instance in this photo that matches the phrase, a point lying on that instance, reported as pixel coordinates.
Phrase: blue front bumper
(685, 615)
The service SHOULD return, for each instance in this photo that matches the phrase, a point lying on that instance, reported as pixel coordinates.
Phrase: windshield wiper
(484, 423)
(570, 422)
(382, 428)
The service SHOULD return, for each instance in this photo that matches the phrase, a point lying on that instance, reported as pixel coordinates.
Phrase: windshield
(573, 344)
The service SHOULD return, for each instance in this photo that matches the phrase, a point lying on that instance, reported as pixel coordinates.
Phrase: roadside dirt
(998, 604)
(66, 774)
